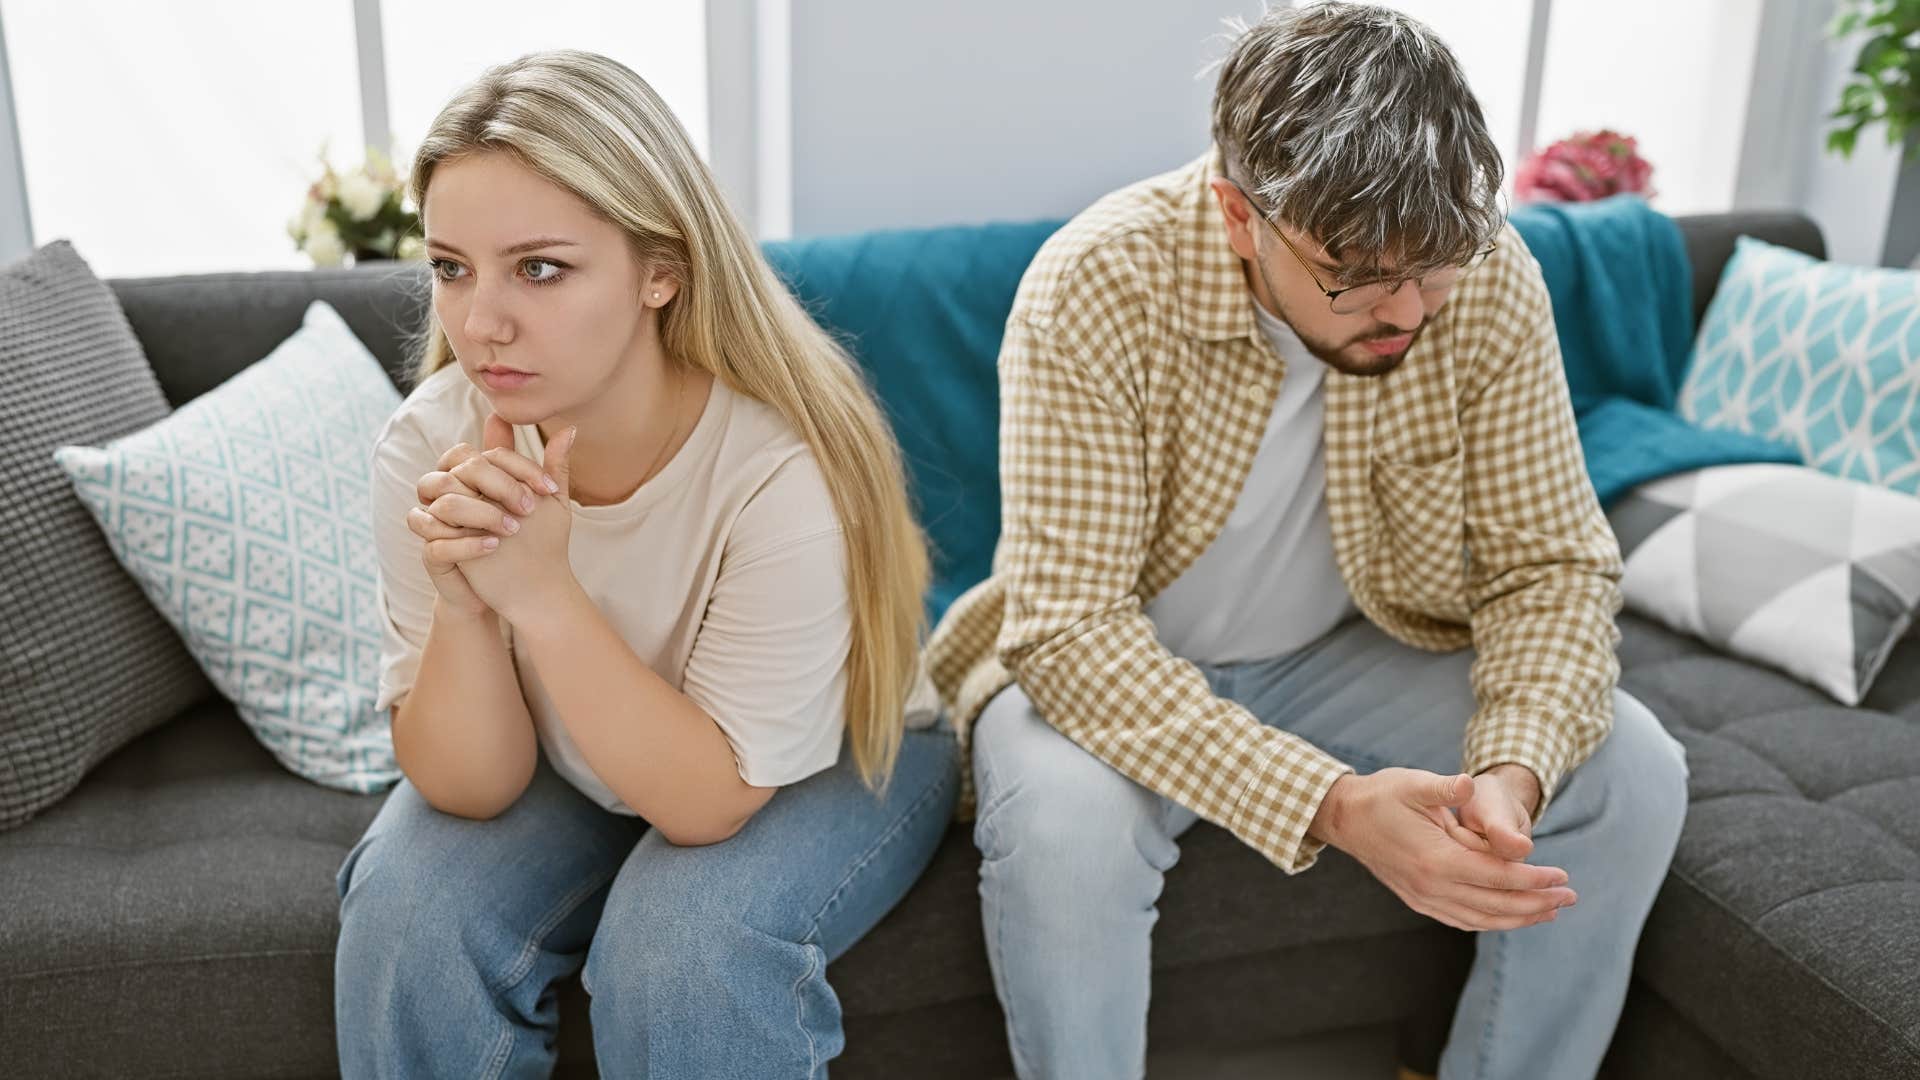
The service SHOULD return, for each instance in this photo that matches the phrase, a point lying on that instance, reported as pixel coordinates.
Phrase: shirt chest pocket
(1420, 551)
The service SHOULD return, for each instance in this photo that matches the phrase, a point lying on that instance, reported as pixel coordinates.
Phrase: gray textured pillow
(86, 663)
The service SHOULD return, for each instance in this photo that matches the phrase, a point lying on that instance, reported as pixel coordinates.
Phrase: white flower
(361, 195)
(324, 246)
(411, 247)
(313, 217)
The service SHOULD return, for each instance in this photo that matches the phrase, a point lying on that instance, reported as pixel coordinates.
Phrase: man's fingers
(1509, 901)
(1436, 791)
(1490, 871)
(1466, 919)
(1509, 843)
(1463, 835)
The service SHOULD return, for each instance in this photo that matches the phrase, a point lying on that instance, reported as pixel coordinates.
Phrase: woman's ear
(659, 289)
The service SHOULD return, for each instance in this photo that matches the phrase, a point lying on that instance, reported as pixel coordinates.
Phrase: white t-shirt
(725, 573)
(1268, 585)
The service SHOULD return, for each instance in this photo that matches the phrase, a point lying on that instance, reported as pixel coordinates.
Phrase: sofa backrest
(922, 310)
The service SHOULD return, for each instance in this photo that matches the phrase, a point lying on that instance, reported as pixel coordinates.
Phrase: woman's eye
(441, 268)
(536, 271)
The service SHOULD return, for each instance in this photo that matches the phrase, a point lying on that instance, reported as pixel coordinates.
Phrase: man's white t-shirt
(725, 573)
(1268, 585)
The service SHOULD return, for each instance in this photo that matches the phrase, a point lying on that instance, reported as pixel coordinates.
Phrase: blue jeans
(1074, 855)
(700, 961)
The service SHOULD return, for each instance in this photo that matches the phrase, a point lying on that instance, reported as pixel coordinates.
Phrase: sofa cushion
(1796, 887)
(175, 916)
(70, 371)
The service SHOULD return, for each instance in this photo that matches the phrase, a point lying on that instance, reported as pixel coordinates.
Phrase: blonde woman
(653, 595)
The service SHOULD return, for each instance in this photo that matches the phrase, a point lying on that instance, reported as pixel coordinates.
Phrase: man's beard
(1332, 355)
(1371, 366)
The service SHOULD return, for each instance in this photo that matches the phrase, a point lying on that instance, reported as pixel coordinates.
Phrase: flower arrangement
(363, 214)
(1589, 165)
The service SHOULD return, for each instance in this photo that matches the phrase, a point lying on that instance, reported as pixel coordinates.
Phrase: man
(1283, 433)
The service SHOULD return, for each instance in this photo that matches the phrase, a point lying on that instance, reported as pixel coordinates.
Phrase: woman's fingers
(499, 474)
(468, 512)
(451, 552)
(437, 483)
(428, 527)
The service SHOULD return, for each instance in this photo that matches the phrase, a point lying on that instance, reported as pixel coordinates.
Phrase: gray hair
(1355, 124)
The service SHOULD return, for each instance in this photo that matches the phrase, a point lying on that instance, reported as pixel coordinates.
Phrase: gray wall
(1784, 163)
(908, 114)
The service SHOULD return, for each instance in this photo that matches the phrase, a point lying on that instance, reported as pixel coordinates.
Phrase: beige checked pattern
(1134, 391)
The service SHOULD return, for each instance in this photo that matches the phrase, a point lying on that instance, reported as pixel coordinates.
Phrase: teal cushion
(244, 516)
(923, 312)
(1823, 357)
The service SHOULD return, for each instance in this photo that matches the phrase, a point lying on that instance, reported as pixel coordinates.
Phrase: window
(1680, 89)
(1675, 76)
(434, 49)
(180, 137)
(1489, 37)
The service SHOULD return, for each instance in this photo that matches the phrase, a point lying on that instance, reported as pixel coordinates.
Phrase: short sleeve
(769, 661)
(400, 458)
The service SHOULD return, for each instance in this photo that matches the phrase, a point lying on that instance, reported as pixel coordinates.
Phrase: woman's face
(542, 300)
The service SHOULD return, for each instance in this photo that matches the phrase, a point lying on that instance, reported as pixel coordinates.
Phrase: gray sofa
(176, 914)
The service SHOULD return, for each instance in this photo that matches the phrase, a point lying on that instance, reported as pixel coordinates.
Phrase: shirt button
(1255, 393)
(1196, 533)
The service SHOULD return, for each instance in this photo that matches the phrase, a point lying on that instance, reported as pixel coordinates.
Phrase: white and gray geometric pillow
(1808, 573)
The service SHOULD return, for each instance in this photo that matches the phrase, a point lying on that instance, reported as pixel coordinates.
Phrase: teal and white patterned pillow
(244, 517)
(1823, 357)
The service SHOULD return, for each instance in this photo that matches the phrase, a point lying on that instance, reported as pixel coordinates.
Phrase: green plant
(1884, 86)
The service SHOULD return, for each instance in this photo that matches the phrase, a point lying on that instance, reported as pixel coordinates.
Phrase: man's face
(1372, 341)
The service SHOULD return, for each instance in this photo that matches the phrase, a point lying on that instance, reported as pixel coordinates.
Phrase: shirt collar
(1216, 304)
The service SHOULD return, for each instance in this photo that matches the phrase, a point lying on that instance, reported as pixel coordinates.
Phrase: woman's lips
(506, 378)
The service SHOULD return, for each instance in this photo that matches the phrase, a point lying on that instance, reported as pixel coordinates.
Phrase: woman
(652, 593)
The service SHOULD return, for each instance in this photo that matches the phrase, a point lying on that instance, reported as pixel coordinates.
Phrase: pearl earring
(656, 296)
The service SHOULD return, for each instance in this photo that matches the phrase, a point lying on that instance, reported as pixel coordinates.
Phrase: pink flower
(1589, 165)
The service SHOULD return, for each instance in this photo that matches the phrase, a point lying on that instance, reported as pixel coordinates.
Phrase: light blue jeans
(701, 961)
(1074, 855)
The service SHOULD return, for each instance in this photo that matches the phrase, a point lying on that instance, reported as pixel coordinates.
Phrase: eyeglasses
(1357, 298)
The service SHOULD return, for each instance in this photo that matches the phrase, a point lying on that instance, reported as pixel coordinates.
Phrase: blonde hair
(597, 129)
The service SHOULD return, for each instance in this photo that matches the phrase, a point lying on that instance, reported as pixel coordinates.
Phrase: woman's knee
(682, 981)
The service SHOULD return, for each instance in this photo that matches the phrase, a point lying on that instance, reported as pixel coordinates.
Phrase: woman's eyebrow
(524, 245)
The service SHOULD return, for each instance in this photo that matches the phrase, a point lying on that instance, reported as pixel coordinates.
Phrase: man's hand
(1501, 810)
(1400, 825)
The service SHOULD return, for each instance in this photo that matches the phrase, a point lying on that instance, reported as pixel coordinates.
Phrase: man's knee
(1049, 806)
(1643, 772)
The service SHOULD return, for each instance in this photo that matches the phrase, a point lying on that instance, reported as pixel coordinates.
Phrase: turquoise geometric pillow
(1823, 357)
(244, 517)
